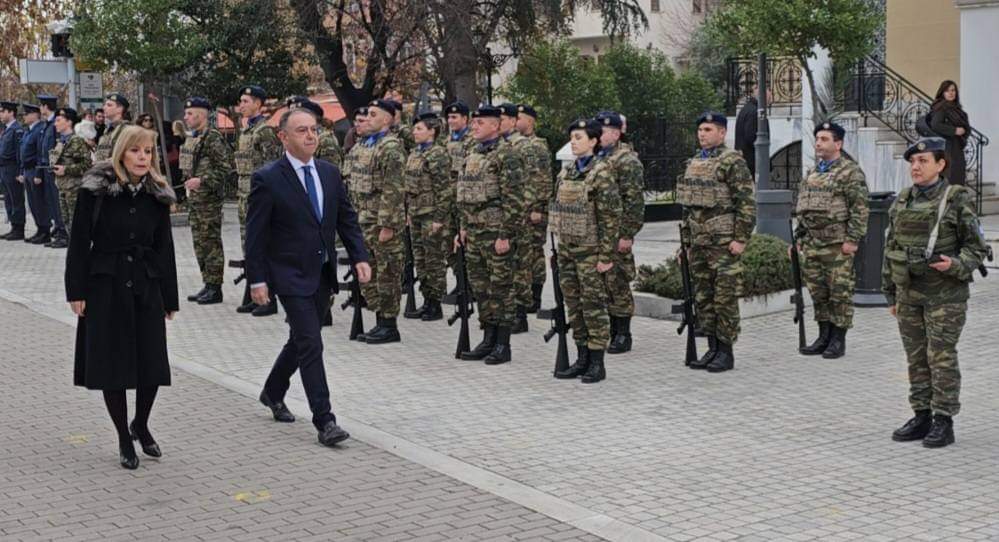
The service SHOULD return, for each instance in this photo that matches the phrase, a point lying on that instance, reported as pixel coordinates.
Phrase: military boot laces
(915, 429)
(708, 356)
(837, 343)
(579, 367)
(501, 350)
(724, 360)
(941, 432)
(821, 342)
(482, 349)
(621, 341)
(595, 372)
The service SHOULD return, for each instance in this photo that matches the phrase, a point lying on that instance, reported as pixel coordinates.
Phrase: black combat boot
(266, 310)
(837, 343)
(363, 337)
(724, 360)
(821, 342)
(415, 314)
(621, 337)
(520, 324)
(535, 298)
(708, 356)
(387, 332)
(579, 366)
(247, 305)
(482, 349)
(212, 295)
(196, 296)
(915, 429)
(432, 311)
(501, 350)
(595, 372)
(941, 432)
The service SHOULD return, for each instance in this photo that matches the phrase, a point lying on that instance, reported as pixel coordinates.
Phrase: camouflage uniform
(539, 173)
(376, 186)
(586, 217)
(628, 172)
(459, 145)
(329, 148)
(523, 148)
(719, 207)
(208, 157)
(405, 134)
(428, 197)
(931, 304)
(258, 144)
(73, 153)
(106, 143)
(490, 199)
(832, 210)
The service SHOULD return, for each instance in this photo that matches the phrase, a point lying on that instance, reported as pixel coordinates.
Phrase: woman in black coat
(949, 121)
(121, 281)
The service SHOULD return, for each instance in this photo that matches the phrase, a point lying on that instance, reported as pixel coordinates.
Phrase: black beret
(30, 108)
(363, 110)
(837, 130)
(428, 116)
(46, 100)
(69, 114)
(197, 101)
(527, 110)
(487, 110)
(384, 105)
(590, 125)
(118, 98)
(397, 105)
(9, 106)
(458, 107)
(309, 106)
(508, 109)
(713, 117)
(609, 118)
(926, 144)
(253, 90)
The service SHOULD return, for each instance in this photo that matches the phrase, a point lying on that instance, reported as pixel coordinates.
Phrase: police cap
(30, 108)
(9, 106)
(48, 101)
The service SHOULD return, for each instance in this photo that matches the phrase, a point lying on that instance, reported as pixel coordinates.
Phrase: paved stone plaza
(782, 448)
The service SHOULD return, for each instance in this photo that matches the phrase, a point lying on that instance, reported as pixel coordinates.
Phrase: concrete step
(990, 205)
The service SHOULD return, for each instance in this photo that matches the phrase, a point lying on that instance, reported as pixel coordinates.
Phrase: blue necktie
(310, 187)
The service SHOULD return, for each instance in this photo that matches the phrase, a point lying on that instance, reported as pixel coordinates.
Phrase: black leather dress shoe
(149, 446)
(39, 240)
(266, 310)
(278, 409)
(58, 242)
(332, 434)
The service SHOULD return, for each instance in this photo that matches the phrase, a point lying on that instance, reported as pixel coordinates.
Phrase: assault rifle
(357, 301)
(559, 323)
(463, 303)
(798, 296)
(689, 322)
(238, 264)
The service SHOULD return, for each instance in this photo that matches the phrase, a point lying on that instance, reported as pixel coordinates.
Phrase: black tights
(118, 409)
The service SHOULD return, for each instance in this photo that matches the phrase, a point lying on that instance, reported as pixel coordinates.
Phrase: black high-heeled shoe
(151, 449)
(126, 456)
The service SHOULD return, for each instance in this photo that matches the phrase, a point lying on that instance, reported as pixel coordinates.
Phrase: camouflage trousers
(537, 261)
(384, 290)
(242, 197)
(67, 204)
(621, 302)
(828, 274)
(430, 252)
(524, 271)
(205, 217)
(717, 276)
(929, 336)
(491, 277)
(585, 292)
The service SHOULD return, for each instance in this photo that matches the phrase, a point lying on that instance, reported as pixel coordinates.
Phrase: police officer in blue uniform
(10, 139)
(28, 157)
(43, 172)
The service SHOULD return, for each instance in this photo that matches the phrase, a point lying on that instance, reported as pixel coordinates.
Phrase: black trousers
(304, 352)
(36, 202)
(13, 195)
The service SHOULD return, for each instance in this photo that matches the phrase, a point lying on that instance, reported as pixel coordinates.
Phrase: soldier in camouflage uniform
(492, 206)
(719, 214)
(70, 159)
(115, 109)
(629, 174)
(428, 199)
(539, 176)
(524, 149)
(934, 244)
(459, 144)
(399, 128)
(376, 189)
(205, 163)
(258, 144)
(586, 216)
(832, 219)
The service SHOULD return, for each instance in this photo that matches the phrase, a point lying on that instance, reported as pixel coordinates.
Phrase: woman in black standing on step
(121, 281)
(949, 121)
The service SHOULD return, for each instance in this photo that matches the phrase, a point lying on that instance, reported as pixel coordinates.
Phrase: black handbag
(923, 126)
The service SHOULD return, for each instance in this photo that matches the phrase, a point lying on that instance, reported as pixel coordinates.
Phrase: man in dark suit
(297, 207)
(746, 125)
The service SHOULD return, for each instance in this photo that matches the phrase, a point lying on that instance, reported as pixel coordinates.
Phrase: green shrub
(663, 280)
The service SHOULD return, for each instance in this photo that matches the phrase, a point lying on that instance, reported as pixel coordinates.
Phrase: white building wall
(979, 76)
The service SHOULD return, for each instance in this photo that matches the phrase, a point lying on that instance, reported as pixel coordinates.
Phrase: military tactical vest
(362, 168)
(572, 216)
(700, 187)
(457, 150)
(419, 185)
(479, 188)
(187, 155)
(245, 163)
(823, 208)
(105, 145)
(912, 228)
(55, 153)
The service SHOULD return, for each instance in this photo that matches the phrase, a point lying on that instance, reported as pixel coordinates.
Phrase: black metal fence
(783, 81)
(663, 144)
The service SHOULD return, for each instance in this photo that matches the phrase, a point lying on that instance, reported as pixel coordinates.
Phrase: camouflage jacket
(376, 181)
(329, 148)
(75, 155)
(428, 183)
(490, 190)
(585, 212)
(405, 134)
(208, 157)
(717, 194)
(906, 275)
(629, 173)
(832, 206)
(523, 148)
(258, 144)
(539, 173)
(106, 142)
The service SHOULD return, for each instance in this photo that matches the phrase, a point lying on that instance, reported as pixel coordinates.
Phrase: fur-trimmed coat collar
(101, 180)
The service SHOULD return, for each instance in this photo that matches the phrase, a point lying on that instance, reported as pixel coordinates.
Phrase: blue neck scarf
(372, 139)
(826, 165)
(705, 153)
(254, 120)
(582, 162)
(425, 146)
(457, 136)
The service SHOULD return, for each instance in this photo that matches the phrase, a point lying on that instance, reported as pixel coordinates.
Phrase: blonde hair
(130, 136)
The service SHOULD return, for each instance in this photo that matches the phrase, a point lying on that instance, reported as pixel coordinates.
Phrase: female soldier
(121, 281)
(934, 245)
(70, 158)
(428, 178)
(586, 215)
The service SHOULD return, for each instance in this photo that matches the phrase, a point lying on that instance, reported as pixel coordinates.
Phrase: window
(654, 6)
